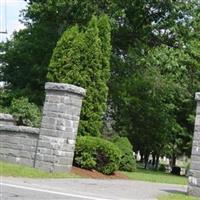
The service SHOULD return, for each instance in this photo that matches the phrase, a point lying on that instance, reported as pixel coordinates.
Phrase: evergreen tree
(82, 58)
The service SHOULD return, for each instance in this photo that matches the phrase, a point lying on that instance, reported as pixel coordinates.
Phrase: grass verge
(157, 177)
(177, 196)
(14, 170)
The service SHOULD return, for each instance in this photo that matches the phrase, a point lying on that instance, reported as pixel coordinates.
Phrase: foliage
(26, 113)
(24, 65)
(170, 63)
(133, 25)
(181, 69)
(3, 102)
(128, 162)
(97, 153)
(153, 106)
(138, 112)
(82, 58)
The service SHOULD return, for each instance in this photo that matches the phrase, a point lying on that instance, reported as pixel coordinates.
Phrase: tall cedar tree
(82, 58)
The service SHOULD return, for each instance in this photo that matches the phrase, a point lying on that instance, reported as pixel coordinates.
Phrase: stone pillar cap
(6, 117)
(65, 87)
(197, 96)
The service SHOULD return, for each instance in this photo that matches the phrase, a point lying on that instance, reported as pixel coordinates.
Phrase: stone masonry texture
(18, 144)
(59, 127)
(6, 119)
(194, 174)
(50, 148)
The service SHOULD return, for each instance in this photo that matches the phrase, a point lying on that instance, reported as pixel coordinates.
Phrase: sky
(12, 19)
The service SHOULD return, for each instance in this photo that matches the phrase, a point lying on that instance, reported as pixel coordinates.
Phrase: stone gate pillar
(59, 127)
(194, 174)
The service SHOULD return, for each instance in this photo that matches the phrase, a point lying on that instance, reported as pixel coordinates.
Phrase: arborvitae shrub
(128, 162)
(96, 153)
(82, 58)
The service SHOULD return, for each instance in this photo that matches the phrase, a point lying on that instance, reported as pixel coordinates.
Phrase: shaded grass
(14, 170)
(157, 177)
(177, 196)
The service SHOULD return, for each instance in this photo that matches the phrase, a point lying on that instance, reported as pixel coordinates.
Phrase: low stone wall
(6, 119)
(18, 144)
(50, 148)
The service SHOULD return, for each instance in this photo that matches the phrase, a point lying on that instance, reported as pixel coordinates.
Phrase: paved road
(82, 189)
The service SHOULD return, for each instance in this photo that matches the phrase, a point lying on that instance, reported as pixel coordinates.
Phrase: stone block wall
(194, 174)
(50, 148)
(18, 144)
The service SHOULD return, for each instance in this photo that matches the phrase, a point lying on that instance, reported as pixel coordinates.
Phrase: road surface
(82, 189)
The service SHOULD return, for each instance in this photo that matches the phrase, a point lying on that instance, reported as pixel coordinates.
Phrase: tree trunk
(154, 159)
(142, 157)
(146, 158)
(157, 161)
(173, 163)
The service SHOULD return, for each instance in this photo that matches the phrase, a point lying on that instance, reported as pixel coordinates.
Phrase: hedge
(128, 162)
(96, 153)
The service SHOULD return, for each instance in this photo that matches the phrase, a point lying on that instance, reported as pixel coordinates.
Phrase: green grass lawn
(7, 169)
(14, 170)
(154, 176)
(177, 196)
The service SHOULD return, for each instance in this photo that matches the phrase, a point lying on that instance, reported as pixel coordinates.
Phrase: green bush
(26, 113)
(4, 110)
(5, 100)
(96, 153)
(127, 163)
